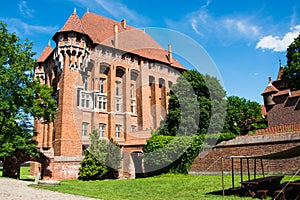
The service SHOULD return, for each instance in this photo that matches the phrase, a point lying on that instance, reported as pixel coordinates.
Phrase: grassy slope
(162, 187)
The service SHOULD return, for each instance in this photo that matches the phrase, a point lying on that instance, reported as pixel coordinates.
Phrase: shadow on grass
(227, 192)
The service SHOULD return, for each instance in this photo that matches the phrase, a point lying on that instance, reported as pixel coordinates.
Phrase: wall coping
(259, 139)
(68, 158)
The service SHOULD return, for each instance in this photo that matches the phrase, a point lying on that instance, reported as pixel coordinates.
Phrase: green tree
(291, 72)
(21, 98)
(196, 104)
(101, 159)
(242, 115)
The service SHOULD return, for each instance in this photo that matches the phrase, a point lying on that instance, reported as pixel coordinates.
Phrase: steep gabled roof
(46, 52)
(270, 89)
(73, 24)
(101, 31)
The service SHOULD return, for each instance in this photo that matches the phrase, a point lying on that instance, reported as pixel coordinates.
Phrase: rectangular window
(84, 129)
(118, 92)
(85, 83)
(86, 100)
(133, 128)
(131, 91)
(118, 104)
(132, 106)
(101, 130)
(102, 85)
(102, 100)
(118, 130)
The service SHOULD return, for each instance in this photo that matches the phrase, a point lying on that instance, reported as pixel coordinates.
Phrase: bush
(101, 160)
(91, 168)
(170, 154)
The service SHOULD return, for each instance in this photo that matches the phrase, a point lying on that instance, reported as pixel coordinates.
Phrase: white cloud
(277, 44)
(226, 29)
(25, 11)
(23, 29)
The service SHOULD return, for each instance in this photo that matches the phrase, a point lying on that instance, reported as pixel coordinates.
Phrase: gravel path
(11, 189)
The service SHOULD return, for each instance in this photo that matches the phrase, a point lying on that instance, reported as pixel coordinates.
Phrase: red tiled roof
(44, 55)
(270, 89)
(295, 93)
(282, 92)
(73, 24)
(130, 39)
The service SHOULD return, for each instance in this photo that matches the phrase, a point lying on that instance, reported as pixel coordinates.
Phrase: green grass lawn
(24, 173)
(161, 187)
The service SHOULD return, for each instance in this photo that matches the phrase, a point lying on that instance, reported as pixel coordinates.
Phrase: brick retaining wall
(208, 161)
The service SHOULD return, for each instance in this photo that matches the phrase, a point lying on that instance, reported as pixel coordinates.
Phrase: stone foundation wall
(209, 161)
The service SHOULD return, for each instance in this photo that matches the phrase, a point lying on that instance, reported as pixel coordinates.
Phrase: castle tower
(268, 95)
(72, 51)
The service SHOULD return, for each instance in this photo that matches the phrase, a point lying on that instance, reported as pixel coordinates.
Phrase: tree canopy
(196, 105)
(21, 99)
(291, 72)
(243, 116)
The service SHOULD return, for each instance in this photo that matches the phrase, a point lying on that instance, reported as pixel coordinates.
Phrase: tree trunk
(11, 167)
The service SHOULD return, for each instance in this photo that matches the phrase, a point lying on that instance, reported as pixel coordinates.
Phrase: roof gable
(44, 55)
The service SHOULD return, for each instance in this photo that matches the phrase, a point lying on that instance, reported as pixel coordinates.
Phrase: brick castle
(106, 76)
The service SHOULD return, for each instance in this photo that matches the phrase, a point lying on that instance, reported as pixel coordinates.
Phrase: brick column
(144, 98)
(68, 140)
(111, 101)
(127, 109)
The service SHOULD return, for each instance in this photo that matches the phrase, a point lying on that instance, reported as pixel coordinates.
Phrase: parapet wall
(209, 161)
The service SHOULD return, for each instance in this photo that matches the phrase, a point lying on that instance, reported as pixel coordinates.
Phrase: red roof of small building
(44, 55)
(283, 92)
(295, 94)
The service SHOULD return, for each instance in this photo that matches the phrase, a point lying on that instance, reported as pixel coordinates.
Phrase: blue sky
(244, 38)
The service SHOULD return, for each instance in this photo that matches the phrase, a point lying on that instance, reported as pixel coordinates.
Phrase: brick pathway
(11, 189)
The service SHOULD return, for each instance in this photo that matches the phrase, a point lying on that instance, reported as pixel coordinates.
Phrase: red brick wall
(210, 161)
(280, 129)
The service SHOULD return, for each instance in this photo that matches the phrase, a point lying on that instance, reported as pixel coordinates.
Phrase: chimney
(170, 54)
(270, 80)
(123, 22)
(116, 32)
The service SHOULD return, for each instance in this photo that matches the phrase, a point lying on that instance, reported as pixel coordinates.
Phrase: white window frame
(101, 85)
(84, 129)
(86, 99)
(102, 130)
(118, 104)
(131, 90)
(118, 92)
(102, 102)
(133, 105)
(118, 130)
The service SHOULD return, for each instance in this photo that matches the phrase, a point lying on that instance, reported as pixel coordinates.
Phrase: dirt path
(11, 189)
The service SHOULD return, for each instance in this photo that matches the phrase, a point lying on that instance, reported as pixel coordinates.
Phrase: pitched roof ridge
(270, 89)
(45, 53)
(73, 24)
